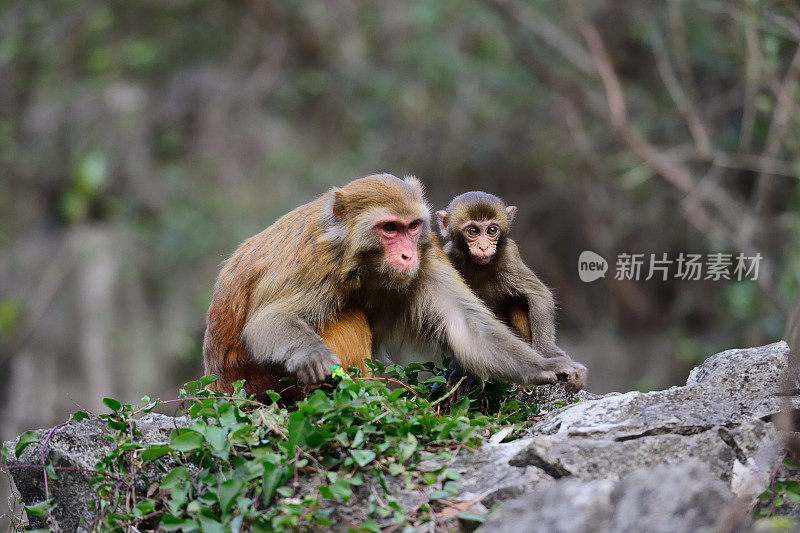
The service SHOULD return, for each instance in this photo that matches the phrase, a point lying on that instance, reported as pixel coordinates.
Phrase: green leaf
(228, 491)
(144, 507)
(362, 457)
(111, 403)
(90, 173)
(238, 388)
(207, 380)
(173, 523)
(175, 477)
(80, 415)
(216, 436)
(208, 521)
(338, 490)
(116, 425)
(451, 488)
(471, 517)
(26, 439)
(498, 437)
(41, 508)
(273, 396)
(299, 428)
(439, 495)
(358, 440)
(451, 474)
(370, 525)
(185, 440)
(407, 448)
(3, 454)
(154, 452)
(272, 478)
(50, 471)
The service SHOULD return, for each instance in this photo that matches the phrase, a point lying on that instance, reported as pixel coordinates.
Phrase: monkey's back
(264, 269)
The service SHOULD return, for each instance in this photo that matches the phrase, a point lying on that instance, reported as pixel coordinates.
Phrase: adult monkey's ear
(339, 204)
(510, 211)
(442, 216)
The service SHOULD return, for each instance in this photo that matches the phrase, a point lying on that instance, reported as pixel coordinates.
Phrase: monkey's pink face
(481, 237)
(399, 240)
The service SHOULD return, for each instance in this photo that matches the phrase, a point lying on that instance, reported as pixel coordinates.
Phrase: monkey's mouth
(483, 260)
(403, 276)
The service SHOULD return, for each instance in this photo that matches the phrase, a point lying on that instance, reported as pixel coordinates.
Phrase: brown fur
(320, 269)
(519, 321)
(350, 338)
(506, 285)
(510, 289)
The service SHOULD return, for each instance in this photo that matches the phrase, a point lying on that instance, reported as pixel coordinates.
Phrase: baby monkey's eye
(472, 231)
(491, 230)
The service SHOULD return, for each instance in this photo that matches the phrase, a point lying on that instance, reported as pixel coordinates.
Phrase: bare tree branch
(753, 60)
(548, 32)
(752, 162)
(677, 175)
(784, 110)
(682, 103)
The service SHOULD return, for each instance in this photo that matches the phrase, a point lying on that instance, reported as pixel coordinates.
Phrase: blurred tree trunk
(94, 296)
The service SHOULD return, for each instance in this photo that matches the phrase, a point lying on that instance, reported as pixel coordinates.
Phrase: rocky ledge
(681, 459)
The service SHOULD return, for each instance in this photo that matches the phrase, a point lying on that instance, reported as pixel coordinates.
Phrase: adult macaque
(475, 226)
(364, 251)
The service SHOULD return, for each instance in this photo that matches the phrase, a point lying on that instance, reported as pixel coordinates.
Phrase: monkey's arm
(273, 336)
(480, 342)
(541, 317)
(540, 303)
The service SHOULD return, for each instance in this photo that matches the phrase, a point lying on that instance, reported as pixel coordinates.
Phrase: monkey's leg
(541, 324)
(350, 338)
(519, 321)
(454, 374)
(272, 336)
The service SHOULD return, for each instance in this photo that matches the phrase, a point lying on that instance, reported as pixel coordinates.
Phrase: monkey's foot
(574, 375)
(464, 383)
(312, 364)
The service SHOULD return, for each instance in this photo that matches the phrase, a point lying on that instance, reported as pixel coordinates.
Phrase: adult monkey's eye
(389, 227)
(472, 231)
(491, 230)
(414, 225)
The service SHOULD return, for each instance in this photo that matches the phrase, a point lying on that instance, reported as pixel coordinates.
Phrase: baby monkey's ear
(510, 210)
(442, 216)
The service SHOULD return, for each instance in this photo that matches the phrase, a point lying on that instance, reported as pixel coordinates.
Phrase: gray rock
(77, 445)
(593, 458)
(684, 497)
(727, 389)
(658, 461)
(489, 473)
(720, 419)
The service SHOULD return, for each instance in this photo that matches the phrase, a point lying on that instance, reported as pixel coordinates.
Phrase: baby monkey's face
(481, 237)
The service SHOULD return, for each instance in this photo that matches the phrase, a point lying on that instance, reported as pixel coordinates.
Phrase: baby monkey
(475, 228)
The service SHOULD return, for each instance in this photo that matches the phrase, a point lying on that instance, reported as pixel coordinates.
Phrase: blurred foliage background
(140, 142)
